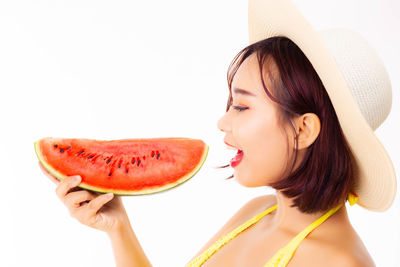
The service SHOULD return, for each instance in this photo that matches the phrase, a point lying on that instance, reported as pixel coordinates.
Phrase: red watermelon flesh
(123, 167)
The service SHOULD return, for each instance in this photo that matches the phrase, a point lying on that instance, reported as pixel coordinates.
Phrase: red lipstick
(228, 144)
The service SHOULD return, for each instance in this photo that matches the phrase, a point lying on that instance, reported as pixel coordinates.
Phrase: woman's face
(254, 129)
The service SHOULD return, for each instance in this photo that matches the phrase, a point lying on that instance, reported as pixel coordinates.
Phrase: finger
(94, 205)
(74, 199)
(66, 185)
(48, 174)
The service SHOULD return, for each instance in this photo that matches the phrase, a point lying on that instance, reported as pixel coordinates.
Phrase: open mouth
(237, 159)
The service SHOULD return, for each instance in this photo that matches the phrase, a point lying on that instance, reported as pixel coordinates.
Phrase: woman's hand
(104, 212)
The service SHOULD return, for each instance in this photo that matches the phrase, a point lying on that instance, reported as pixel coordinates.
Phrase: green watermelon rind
(147, 191)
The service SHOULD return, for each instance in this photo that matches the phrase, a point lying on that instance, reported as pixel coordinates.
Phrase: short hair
(326, 175)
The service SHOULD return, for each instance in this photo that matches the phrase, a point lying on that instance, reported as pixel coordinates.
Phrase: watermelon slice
(123, 167)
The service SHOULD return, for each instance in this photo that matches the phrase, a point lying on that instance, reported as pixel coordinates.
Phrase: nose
(223, 123)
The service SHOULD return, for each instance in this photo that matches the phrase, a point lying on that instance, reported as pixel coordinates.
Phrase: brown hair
(326, 175)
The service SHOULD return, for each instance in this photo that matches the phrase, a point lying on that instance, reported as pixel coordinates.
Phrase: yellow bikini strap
(352, 197)
(205, 255)
(283, 256)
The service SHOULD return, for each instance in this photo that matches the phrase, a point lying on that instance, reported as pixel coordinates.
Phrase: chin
(249, 180)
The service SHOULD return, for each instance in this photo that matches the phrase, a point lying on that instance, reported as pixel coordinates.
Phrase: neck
(292, 219)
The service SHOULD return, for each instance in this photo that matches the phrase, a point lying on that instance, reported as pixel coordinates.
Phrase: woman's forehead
(247, 81)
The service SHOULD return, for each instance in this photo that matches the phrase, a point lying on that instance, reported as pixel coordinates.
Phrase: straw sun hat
(357, 84)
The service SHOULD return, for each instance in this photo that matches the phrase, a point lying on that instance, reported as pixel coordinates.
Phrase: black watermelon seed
(109, 174)
(108, 161)
(138, 162)
(68, 147)
(152, 154)
(158, 155)
(126, 171)
(55, 146)
(133, 161)
(90, 157)
(62, 150)
(120, 162)
(80, 152)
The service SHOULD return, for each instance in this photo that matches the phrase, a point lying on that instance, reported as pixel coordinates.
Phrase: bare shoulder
(248, 210)
(349, 249)
(259, 203)
(345, 251)
(350, 258)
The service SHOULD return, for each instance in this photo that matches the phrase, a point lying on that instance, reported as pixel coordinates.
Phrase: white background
(132, 69)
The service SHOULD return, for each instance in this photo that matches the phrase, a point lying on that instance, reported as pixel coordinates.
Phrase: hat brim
(375, 175)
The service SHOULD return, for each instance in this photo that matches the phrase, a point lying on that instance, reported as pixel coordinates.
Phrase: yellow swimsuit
(283, 256)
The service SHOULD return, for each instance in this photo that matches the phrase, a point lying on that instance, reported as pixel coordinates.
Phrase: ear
(307, 127)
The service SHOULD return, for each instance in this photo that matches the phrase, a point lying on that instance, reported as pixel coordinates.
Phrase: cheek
(271, 157)
(265, 154)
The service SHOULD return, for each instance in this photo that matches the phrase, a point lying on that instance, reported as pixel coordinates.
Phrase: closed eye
(239, 108)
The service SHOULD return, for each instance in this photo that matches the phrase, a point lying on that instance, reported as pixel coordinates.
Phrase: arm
(103, 213)
(126, 247)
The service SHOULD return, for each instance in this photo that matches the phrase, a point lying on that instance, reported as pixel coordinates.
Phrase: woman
(297, 129)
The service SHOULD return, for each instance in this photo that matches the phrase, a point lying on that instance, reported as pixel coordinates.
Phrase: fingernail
(109, 195)
(76, 178)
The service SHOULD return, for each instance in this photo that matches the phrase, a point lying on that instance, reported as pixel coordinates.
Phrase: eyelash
(239, 108)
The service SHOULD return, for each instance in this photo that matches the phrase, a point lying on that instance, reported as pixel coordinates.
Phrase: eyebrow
(242, 91)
